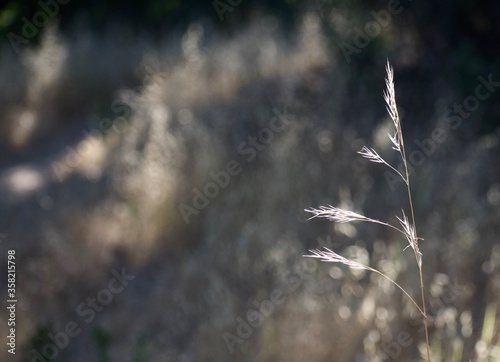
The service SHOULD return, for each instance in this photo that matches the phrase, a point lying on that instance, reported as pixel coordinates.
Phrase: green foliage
(39, 339)
(140, 354)
(103, 340)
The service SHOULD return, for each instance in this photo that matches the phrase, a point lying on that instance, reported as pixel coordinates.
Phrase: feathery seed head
(333, 213)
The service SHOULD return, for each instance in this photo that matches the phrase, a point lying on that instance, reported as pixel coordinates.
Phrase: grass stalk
(410, 201)
(408, 228)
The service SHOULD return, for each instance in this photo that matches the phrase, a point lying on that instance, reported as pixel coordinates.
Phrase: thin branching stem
(418, 256)
(401, 288)
(373, 156)
(408, 228)
(333, 213)
(330, 256)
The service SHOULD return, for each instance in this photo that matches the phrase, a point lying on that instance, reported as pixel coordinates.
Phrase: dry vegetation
(181, 110)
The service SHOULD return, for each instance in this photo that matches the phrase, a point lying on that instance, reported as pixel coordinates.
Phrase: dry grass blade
(333, 213)
(395, 142)
(392, 109)
(411, 236)
(390, 96)
(330, 256)
(408, 228)
(372, 155)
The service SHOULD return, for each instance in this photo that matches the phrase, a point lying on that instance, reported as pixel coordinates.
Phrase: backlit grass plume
(407, 225)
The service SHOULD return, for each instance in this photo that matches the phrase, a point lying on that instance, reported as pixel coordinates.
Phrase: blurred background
(156, 158)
